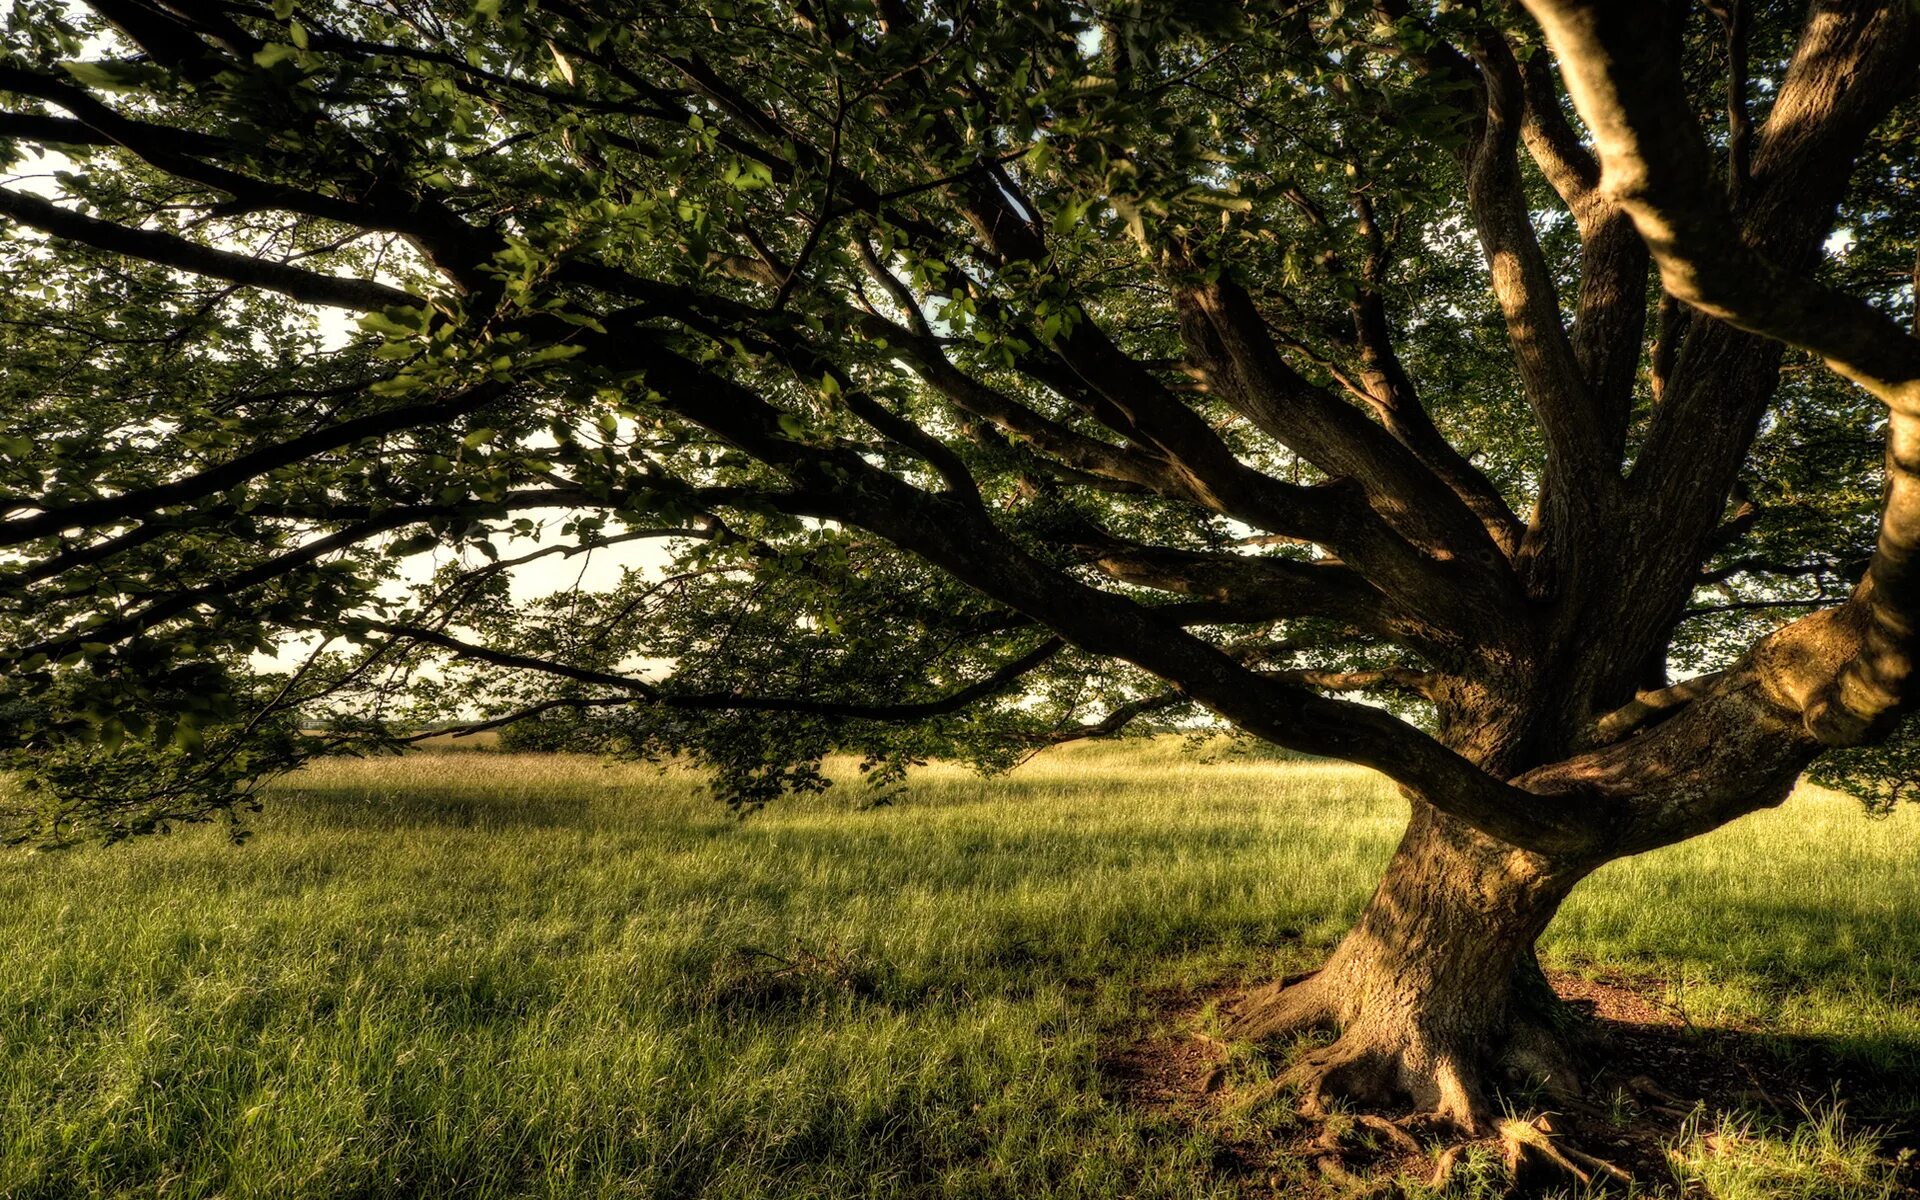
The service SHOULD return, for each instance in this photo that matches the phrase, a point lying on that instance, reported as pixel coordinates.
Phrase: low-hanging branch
(997, 681)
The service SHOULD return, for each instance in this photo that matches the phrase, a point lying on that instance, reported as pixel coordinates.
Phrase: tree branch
(1850, 67)
(992, 684)
(167, 250)
(109, 510)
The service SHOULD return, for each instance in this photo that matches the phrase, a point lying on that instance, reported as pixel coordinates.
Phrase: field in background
(494, 975)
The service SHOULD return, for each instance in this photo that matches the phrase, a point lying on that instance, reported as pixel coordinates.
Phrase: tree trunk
(1435, 992)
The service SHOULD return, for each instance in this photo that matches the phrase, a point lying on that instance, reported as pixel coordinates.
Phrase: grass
(1819, 1159)
(487, 975)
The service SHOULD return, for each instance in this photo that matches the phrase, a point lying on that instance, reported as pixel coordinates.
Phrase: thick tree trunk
(1435, 994)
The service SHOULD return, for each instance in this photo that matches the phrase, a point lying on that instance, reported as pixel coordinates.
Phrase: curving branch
(165, 249)
(110, 510)
(992, 684)
(969, 547)
(1628, 89)
(1584, 442)
(1227, 337)
(1391, 391)
(1850, 67)
(1117, 721)
(1280, 587)
(1611, 305)
(1649, 707)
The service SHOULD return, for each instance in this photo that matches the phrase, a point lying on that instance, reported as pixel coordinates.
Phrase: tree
(994, 372)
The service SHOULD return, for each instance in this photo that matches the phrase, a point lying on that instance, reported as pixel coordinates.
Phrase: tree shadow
(1725, 1071)
(1661, 1088)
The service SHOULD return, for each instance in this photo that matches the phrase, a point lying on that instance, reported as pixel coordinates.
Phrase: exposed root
(1283, 1008)
(1399, 1138)
(1535, 1155)
(1358, 1072)
(1346, 1149)
(1536, 1158)
(1336, 1172)
(1382, 1131)
(1342, 1074)
(1391, 1065)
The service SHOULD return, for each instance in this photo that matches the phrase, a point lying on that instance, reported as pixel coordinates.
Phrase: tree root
(1393, 1063)
(1399, 1138)
(1283, 1008)
(1357, 1072)
(1533, 1156)
(1385, 1063)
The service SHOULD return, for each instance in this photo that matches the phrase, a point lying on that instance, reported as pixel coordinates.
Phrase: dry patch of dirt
(1657, 1075)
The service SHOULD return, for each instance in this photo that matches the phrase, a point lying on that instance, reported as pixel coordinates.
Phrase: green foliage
(1882, 775)
(191, 747)
(565, 207)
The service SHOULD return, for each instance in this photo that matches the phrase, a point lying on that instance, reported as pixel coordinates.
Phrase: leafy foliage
(742, 283)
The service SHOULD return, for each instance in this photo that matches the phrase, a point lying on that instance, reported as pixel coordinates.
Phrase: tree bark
(1435, 993)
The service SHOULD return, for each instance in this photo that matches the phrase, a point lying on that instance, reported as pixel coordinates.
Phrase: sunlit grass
(1821, 1158)
(491, 975)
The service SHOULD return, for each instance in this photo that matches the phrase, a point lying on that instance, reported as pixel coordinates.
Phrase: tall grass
(490, 975)
(1821, 1158)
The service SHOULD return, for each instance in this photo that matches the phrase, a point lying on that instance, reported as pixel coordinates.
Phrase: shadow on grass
(1682, 1107)
(1735, 1070)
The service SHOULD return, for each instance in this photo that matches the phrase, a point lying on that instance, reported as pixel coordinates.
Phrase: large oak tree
(1422, 387)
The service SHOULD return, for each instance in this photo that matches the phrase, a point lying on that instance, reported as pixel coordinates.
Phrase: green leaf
(110, 76)
(556, 353)
(273, 54)
(389, 323)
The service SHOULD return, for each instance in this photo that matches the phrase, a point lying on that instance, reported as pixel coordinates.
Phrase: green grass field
(486, 975)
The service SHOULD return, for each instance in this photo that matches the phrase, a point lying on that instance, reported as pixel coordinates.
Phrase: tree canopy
(991, 374)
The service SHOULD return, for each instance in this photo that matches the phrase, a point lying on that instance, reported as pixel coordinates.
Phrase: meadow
(492, 975)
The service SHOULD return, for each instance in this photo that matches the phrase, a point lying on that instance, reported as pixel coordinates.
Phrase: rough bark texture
(1436, 991)
(1435, 995)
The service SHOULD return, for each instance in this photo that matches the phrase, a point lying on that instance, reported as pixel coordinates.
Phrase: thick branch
(167, 250)
(1629, 90)
(1611, 307)
(1281, 587)
(1225, 332)
(962, 542)
(1854, 61)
